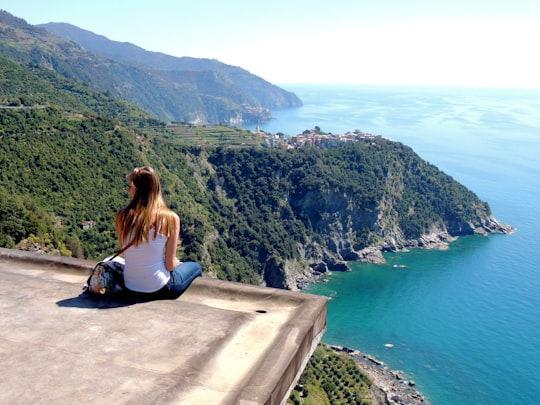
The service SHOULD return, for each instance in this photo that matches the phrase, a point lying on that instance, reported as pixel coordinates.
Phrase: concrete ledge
(45, 261)
(219, 343)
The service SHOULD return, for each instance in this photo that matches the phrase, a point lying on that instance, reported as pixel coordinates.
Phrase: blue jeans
(182, 276)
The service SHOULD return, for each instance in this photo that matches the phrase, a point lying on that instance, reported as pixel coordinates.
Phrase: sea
(462, 323)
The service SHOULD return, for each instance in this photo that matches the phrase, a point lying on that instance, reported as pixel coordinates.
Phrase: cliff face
(329, 206)
(337, 220)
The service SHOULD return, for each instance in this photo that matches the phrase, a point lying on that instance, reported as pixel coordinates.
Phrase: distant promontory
(173, 89)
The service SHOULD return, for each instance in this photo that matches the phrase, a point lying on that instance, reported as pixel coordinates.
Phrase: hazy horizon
(474, 43)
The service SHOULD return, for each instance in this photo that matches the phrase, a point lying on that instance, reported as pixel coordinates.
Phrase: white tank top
(145, 265)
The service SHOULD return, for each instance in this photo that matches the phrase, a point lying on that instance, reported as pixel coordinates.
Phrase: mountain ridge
(270, 216)
(195, 96)
(270, 96)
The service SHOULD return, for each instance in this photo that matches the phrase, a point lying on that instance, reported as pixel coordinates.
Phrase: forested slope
(173, 89)
(248, 213)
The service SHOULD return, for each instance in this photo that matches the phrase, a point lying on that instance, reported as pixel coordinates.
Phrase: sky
(472, 43)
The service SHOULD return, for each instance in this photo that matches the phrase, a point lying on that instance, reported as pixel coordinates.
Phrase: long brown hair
(146, 211)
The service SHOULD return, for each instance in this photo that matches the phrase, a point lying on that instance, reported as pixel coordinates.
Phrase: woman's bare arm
(171, 260)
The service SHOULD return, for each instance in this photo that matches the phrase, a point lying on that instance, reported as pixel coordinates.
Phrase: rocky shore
(390, 386)
(326, 262)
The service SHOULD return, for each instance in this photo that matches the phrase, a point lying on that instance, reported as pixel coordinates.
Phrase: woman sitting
(151, 230)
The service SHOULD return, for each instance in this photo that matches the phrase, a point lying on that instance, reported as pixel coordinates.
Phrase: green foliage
(331, 378)
(69, 167)
(65, 151)
(173, 89)
(32, 86)
(283, 197)
(245, 210)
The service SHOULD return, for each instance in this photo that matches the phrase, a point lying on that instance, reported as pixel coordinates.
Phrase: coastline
(374, 254)
(493, 159)
(391, 387)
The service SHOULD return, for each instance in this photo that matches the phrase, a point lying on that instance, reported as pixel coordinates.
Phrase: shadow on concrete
(88, 300)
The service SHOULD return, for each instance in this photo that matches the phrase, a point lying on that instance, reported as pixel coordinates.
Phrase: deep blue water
(464, 322)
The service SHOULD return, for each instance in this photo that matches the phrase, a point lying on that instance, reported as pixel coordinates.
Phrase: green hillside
(249, 213)
(172, 89)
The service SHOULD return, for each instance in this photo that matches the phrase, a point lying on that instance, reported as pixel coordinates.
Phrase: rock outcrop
(337, 220)
(389, 386)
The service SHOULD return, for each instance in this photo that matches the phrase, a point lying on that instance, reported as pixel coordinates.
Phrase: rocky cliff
(340, 222)
(311, 210)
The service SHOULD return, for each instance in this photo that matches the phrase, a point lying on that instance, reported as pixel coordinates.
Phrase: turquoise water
(464, 322)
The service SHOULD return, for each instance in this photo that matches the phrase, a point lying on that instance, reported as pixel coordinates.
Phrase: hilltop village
(314, 137)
